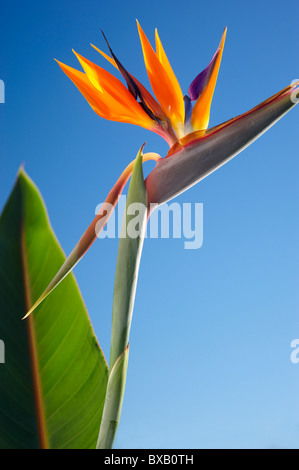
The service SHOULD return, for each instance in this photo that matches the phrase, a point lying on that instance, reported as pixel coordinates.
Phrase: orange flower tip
(138, 25)
(142, 35)
(112, 61)
(79, 57)
(157, 39)
(61, 64)
(96, 48)
(223, 37)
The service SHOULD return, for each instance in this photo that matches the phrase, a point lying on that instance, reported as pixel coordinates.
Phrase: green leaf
(127, 267)
(113, 401)
(54, 379)
(128, 260)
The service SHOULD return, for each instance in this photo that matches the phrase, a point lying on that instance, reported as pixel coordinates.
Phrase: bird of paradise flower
(195, 151)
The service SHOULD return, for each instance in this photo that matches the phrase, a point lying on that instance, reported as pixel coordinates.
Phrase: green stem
(127, 267)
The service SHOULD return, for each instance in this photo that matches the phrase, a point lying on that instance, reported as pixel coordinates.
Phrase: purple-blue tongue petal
(199, 83)
(188, 109)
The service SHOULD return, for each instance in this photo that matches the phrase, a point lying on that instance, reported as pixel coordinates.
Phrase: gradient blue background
(210, 341)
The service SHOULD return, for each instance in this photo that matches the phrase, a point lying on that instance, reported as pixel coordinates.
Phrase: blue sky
(210, 341)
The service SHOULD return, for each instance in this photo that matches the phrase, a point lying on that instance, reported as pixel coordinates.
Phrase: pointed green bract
(53, 381)
(127, 267)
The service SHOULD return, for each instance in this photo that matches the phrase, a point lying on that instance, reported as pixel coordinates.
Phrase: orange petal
(170, 73)
(107, 57)
(106, 94)
(86, 88)
(148, 98)
(114, 90)
(201, 111)
(166, 91)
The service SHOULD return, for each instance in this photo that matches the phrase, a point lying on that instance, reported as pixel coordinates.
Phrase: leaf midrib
(38, 397)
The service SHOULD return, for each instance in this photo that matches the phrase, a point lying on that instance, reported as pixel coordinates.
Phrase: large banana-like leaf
(53, 381)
